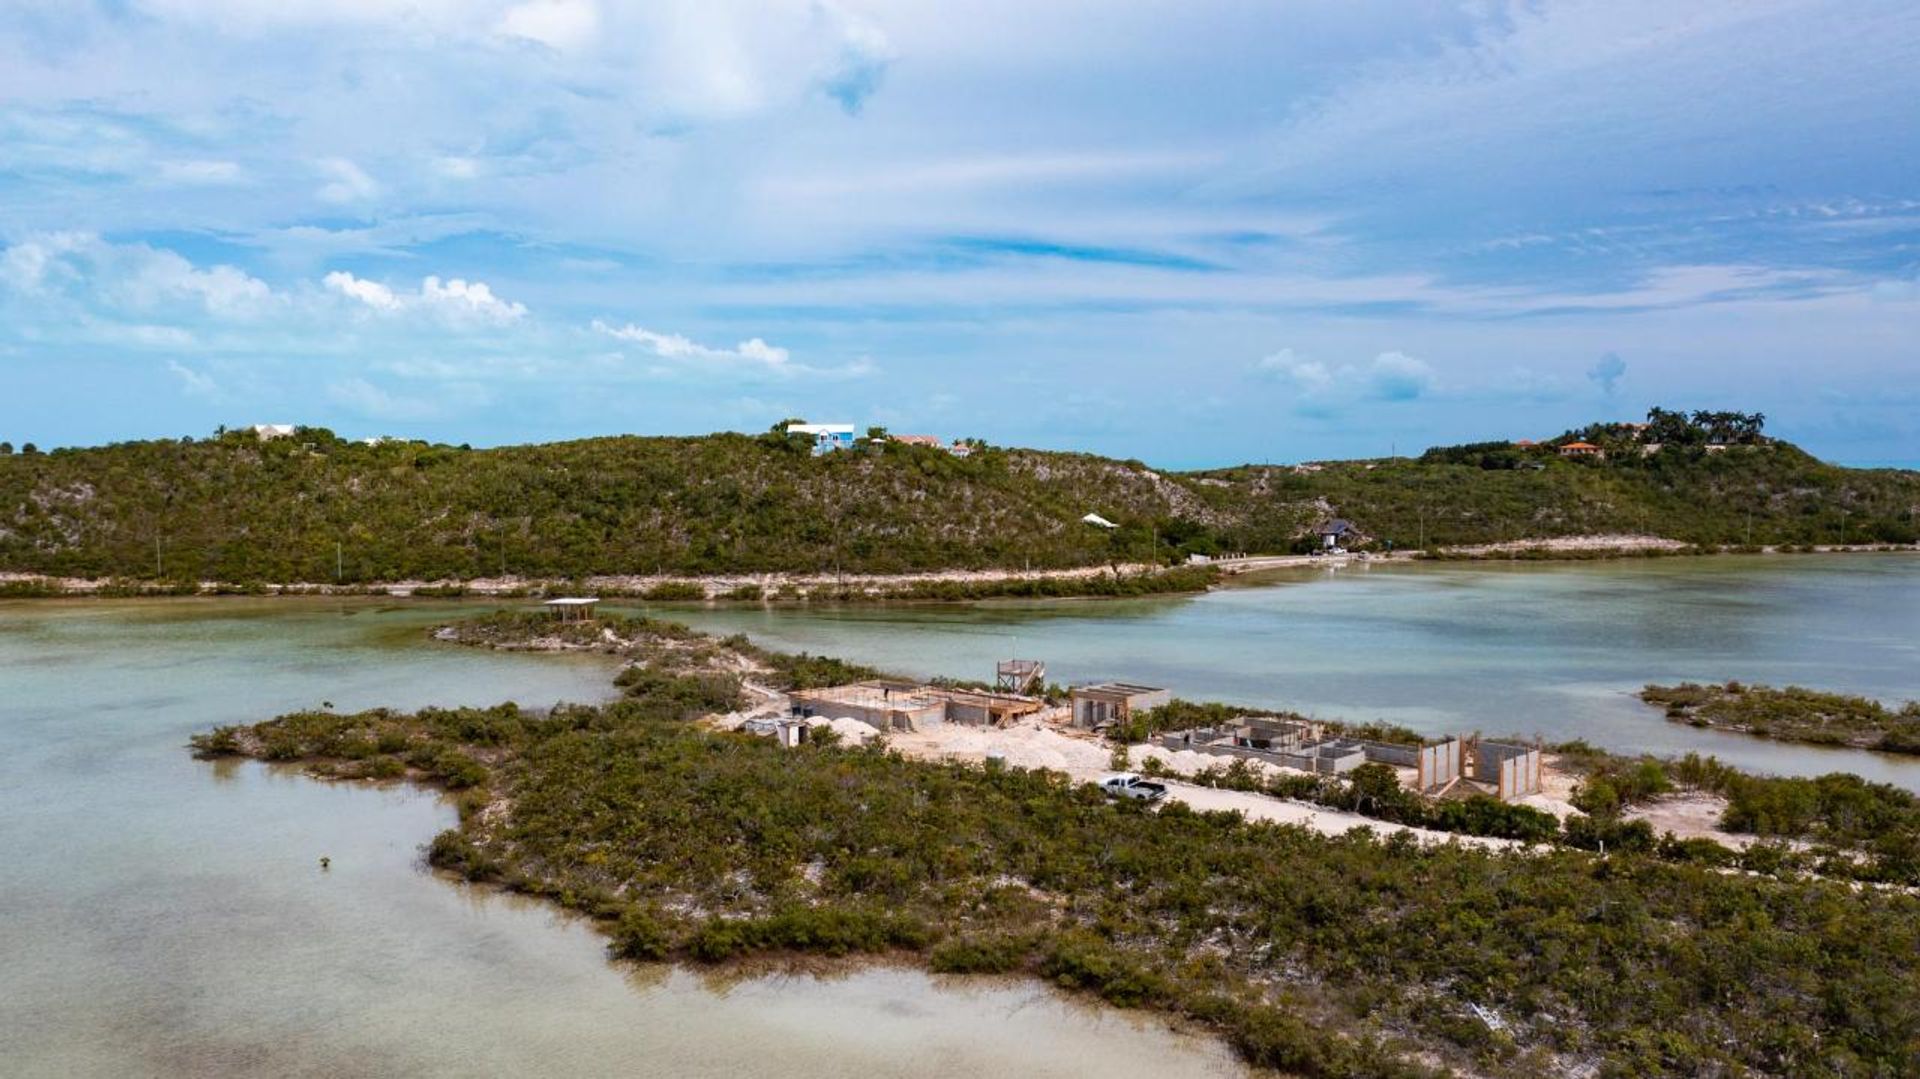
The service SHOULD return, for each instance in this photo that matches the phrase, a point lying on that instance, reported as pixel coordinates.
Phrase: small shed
(572, 608)
(1334, 532)
(1113, 702)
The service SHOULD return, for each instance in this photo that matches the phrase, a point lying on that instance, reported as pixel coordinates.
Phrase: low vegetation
(1317, 956)
(1839, 825)
(1792, 714)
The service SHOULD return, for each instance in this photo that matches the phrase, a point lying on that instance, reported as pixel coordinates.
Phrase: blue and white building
(827, 437)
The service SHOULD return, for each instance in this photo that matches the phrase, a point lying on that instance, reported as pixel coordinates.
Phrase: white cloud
(223, 290)
(557, 24)
(1396, 376)
(193, 383)
(1321, 388)
(1607, 371)
(455, 297)
(346, 181)
(196, 173)
(1309, 375)
(131, 276)
(70, 273)
(25, 265)
(753, 355)
(472, 298)
(366, 399)
(988, 171)
(455, 167)
(864, 56)
(672, 346)
(372, 293)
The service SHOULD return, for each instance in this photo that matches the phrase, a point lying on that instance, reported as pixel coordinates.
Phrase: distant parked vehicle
(1131, 785)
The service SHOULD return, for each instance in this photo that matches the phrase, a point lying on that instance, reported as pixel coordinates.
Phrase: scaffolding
(1019, 675)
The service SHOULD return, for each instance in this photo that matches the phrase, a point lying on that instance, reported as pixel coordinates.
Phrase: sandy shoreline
(773, 586)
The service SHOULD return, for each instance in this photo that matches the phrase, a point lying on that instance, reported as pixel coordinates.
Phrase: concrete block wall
(1440, 764)
(972, 714)
(1513, 769)
(1392, 753)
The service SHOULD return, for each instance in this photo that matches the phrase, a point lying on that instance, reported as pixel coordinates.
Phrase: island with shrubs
(1792, 714)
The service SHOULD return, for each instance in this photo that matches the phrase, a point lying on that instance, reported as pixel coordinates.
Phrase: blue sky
(1192, 233)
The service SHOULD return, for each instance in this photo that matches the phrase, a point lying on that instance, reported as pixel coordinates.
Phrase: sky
(1194, 233)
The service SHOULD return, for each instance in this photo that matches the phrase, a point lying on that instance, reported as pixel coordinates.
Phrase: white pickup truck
(1131, 785)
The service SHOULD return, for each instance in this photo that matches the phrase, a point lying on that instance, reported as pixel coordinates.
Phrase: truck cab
(1133, 785)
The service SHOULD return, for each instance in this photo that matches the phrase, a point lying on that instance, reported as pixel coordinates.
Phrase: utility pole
(339, 561)
(157, 571)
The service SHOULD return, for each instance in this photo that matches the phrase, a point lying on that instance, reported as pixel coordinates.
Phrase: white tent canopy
(1096, 519)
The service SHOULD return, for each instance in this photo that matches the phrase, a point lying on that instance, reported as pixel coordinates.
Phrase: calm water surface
(165, 916)
(1551, 649)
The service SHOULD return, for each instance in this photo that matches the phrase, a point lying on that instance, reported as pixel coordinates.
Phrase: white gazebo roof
(571, 601)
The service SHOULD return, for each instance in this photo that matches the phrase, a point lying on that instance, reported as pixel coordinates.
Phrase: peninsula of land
(1570, 942)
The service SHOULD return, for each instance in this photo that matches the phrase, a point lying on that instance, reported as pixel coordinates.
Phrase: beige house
(1113, 702)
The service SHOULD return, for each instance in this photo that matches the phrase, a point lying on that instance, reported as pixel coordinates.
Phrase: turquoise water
(167, 917)
(1556, 650)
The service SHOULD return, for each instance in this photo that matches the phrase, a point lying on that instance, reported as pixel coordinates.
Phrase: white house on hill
(827, 437)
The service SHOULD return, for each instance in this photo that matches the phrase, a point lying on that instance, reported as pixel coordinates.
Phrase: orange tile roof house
(916, 440)
(1581, 449)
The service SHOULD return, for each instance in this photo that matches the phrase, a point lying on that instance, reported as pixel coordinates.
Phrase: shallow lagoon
(1554, 649)
(166, 916)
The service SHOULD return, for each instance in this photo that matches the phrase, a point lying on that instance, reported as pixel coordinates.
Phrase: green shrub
(641, 934)
(979, 955)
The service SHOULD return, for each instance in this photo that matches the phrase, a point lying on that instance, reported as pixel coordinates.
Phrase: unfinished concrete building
(978, 708)
(1512, 769)
(906, 706)
(1113, 702)
(1440, 766)
(1304, 745)
(885, 706)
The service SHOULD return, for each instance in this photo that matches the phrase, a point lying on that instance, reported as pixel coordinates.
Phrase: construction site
(1016, 722)
(1507, 770)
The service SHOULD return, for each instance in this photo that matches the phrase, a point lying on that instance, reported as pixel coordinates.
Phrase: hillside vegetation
(316, 508)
